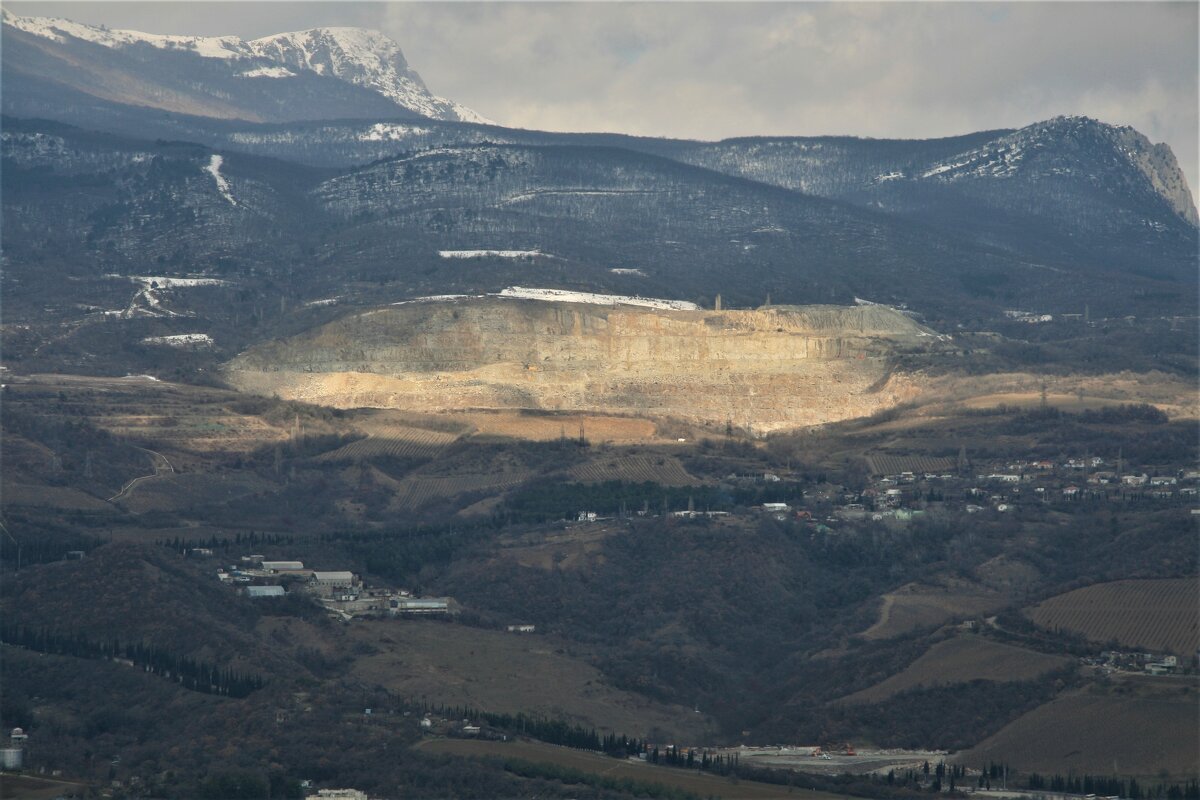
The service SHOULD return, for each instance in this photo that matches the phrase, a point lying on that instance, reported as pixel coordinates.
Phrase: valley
(352, 440)
(649, 617)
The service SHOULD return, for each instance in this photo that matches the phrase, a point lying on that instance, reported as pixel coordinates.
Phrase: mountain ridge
(358, 57)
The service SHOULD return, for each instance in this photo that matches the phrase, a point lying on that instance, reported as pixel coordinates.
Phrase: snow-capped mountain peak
(1087, 148)
(359, 56)
(57, 29)
(365, 58)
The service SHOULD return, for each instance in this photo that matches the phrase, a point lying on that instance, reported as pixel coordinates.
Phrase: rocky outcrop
(764, 370)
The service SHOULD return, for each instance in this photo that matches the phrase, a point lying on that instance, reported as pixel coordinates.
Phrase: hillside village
(902, 489)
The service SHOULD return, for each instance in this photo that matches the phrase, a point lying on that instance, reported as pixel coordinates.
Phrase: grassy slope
(687, 780)
(1133, 726)
(1153, 614)
(960, 660)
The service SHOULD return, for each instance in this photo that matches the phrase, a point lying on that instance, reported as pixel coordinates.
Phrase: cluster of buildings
(1110, 661)
(1000, 487)
(1029, 317)
(1003, 486)
(341, 592)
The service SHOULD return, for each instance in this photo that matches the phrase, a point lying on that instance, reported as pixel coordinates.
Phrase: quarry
(760, 370)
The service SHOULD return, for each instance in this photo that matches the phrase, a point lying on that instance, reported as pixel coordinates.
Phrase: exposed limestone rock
(763, 370)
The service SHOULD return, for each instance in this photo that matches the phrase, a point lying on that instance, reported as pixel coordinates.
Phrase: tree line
(196, 676)
(551, 731)
(1111, 786)
(43, 550)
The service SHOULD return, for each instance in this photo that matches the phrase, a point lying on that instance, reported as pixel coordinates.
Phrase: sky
(713, 70)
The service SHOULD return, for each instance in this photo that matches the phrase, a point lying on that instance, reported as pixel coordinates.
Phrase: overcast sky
(712, 70)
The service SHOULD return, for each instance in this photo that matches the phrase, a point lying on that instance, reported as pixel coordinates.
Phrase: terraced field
(961, 660)
(884, 464)
(1156, 615)
(416, 491)
(19, 494)
(596, 428)
(1131, 727)
(396, 441)
(193, 423)
(174, 492)
(634, 468)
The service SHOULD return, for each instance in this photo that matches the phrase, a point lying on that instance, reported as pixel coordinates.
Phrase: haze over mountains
(319, 162)
(827, 442)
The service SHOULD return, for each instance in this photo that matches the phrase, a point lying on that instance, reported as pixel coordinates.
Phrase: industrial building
(339, 578)
(283, 566)
(13, 758)
(413, 605)
(341, 794)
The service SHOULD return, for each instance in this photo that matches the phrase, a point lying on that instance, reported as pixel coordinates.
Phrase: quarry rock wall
(763, 370)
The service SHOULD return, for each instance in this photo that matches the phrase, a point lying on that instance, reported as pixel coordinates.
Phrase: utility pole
(4, 528)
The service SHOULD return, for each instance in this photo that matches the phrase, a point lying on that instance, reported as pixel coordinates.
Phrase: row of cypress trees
(1111, 786)
(197, 676)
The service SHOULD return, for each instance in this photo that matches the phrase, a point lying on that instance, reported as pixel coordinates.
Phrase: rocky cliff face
(763, 370)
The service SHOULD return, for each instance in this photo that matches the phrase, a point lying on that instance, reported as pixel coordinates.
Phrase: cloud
(883, 70)
(712, 70)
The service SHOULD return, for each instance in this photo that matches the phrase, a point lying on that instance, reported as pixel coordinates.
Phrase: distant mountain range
(317, 164)
(317, 74)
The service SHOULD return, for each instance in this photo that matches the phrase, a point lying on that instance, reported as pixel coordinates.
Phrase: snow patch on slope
(491, 253)
(566, 296)
(163, 282)
(187, 340)
(267, 72)
(391, 132)
(562, 296)
(214, 169)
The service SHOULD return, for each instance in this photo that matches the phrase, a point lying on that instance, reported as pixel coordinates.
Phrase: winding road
(161, 467)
